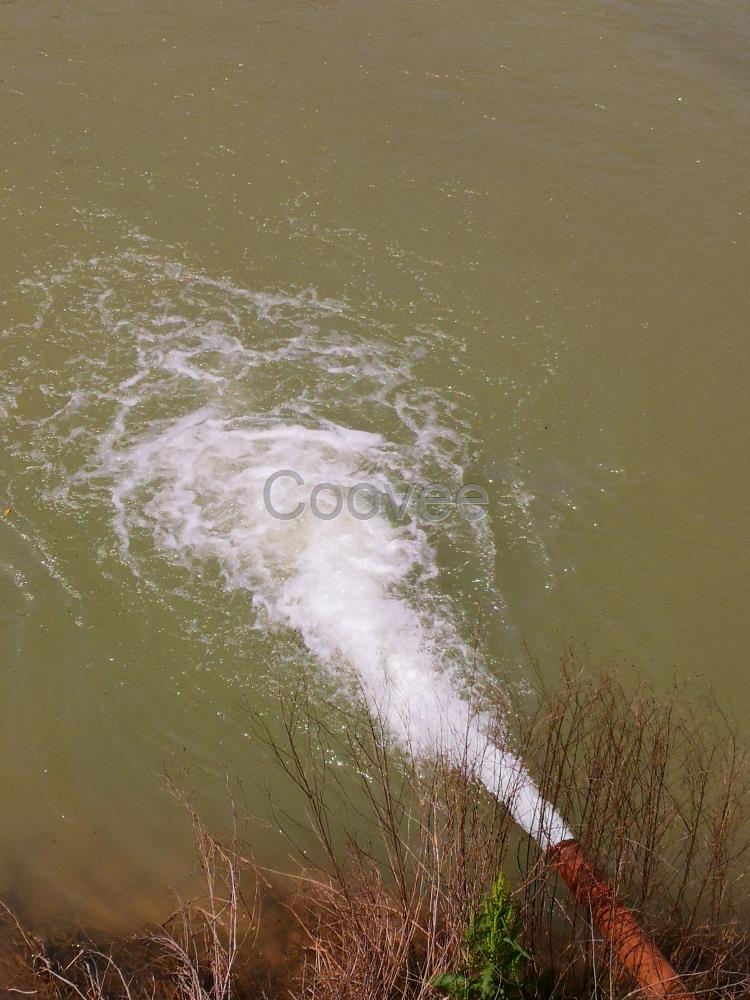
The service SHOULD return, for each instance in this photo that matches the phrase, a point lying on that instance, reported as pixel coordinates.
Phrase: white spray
(341, 583)
(208, 389)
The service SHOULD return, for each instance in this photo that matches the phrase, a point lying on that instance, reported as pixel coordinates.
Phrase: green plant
(496, 959)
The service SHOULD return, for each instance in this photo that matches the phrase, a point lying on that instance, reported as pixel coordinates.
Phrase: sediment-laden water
(391, 246)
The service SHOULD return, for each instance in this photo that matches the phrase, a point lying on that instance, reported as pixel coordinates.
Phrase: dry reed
(655, 785)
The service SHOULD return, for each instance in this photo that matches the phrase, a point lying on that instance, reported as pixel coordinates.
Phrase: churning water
(210, 391)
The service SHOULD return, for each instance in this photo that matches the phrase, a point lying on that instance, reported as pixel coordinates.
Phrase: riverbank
(655, 785)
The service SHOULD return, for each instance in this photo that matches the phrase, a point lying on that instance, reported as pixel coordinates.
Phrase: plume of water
(342, 583)
(208, 389)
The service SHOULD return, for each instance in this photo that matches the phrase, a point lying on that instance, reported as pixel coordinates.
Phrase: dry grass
(656, 790)
(193, 955)
(656, 787)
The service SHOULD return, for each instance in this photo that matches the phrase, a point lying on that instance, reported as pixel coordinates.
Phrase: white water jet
(183, 394)
(197, 485)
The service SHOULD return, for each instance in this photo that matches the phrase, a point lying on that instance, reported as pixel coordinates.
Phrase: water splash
(342, 584)
(206, 389)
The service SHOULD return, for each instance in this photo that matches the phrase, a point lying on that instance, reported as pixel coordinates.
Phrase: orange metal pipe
(636, 951)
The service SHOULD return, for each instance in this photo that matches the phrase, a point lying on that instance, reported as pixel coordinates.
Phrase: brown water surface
(525, 224)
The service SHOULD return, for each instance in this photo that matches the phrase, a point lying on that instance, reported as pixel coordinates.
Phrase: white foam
(188, 392)
(343, 584)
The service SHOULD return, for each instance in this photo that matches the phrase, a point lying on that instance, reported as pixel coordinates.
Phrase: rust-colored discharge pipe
(636, 951)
